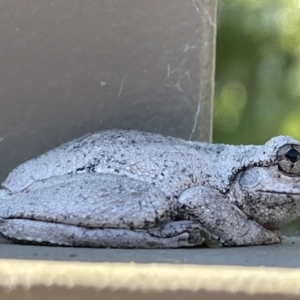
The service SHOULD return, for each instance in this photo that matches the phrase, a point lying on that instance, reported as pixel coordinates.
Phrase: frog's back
(111, 151)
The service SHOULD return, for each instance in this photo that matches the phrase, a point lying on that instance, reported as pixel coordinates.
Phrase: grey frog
(131, 189)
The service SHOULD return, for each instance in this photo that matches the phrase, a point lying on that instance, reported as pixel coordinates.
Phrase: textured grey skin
(141, 190)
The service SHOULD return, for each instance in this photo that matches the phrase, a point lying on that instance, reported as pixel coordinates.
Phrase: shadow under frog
(131, 189)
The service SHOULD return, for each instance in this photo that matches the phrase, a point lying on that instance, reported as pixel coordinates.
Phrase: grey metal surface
(283, 255)
(72, 67)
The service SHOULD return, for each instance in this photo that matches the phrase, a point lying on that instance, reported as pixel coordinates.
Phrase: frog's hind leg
(96, 210)
(171, 235)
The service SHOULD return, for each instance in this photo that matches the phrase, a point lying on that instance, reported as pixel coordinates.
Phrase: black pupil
(293, 155)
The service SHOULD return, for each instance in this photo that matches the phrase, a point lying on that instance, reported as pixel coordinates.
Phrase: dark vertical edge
(207, 11)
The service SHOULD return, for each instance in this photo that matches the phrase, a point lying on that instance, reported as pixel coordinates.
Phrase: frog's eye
(289, 160)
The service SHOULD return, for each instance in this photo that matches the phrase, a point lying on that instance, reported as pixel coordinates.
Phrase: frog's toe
(196, 237)
(189, 233)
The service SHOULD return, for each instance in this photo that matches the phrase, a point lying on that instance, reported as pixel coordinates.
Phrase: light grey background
(69, 67)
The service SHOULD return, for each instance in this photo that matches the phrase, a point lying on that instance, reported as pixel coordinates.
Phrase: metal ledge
(82, 273)
(76, 280)
(284, 255)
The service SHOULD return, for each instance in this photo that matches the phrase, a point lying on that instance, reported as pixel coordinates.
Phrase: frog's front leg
(223, 221)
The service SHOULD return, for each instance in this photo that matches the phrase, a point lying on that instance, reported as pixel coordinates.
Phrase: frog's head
(270, 191)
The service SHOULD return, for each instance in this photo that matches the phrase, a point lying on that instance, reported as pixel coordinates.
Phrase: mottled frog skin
(130, 189)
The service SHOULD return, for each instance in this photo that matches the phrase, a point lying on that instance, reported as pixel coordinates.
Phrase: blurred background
(257, 92)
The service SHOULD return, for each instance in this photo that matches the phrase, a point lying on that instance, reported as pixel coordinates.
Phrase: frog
(133, 189)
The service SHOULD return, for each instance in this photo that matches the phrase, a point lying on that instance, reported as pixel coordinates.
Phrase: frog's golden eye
(289, 160)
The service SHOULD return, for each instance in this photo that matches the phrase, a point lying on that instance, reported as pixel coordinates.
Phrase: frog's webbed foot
(196, 234)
